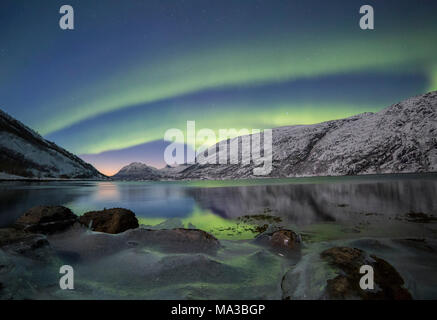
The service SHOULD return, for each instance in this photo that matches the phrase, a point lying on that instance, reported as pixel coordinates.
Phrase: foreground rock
(46, 219)
(174, 240)
(113, 221)
(21, 242)
(283, 241)
(78, 243)
(191, 268)
(388, 282)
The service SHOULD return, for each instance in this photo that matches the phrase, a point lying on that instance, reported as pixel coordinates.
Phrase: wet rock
(348, 261)
(113, 221)
(175, 240)
(21, 242)
(284, 241)
(46, 219)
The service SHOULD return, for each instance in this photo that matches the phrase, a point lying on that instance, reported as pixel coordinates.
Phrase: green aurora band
(243, 65)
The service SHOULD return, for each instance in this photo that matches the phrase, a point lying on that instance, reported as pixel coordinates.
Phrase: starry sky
(109, 89)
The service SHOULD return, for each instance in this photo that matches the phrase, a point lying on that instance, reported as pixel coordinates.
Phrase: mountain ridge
(25, 154)
(401, 138)
(137, 171)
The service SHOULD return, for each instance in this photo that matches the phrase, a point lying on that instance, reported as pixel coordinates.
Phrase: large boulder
(174, 240)
(46, 219)
(348, 261)
(113, 221)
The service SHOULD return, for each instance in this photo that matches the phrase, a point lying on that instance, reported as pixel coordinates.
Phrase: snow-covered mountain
(141, 171)
(25, 154)
(399, 139)
(169, 172)
(137, 171)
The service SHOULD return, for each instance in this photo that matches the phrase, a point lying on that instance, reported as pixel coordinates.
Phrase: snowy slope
(137, 171)
(24, 153)
(399, 139)
(140, 171)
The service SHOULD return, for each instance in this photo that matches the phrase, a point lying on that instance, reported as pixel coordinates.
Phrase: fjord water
(300, 202)
(368, 212)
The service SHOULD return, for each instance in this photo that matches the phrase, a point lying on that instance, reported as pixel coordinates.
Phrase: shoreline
(258, 179)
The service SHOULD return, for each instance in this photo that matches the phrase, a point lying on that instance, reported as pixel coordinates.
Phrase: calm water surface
(300, 201)
(369, 213)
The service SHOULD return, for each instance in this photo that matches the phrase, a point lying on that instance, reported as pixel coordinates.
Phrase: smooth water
(297, 201)
(369, 212)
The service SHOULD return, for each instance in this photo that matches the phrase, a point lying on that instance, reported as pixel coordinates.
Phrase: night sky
(132, 69)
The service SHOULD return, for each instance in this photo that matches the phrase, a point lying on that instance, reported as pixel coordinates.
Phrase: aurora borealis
(132, 69)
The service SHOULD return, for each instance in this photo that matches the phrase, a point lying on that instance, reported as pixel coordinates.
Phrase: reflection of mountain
(308, 203)
(24, 153)
(399, 139)
(316, 200)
